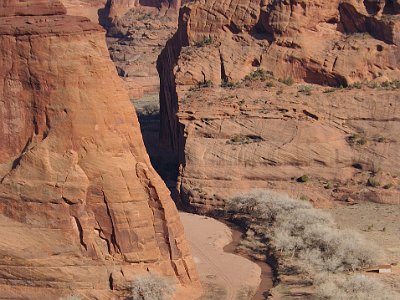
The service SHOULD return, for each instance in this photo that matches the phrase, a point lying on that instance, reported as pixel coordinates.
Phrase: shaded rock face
(82, 210)
(225, 143)
(119, 7)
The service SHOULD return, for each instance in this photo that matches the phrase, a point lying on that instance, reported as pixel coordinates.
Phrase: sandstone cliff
(255, 131)
(81, 209)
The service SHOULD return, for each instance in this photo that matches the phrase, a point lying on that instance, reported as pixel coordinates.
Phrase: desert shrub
(288, 81)
(149, 110)
(303, 179)
(228, 84)
(388, 186)
(356, 139)
(269, 84)
(372, 182)
(355, 85)
(201, 85)
(152, 287)
(258, 74)
(307, 236)
(305, 89)
(355, 287)
(240, 139)
(205, 41)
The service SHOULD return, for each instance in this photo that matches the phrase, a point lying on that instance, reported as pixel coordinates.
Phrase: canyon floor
(223, 275)
(377, 222)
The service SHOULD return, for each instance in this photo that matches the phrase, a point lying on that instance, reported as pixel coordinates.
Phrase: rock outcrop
(230, 140)
(119, 7)
(96, 10)
(137, 35)
(81, 209)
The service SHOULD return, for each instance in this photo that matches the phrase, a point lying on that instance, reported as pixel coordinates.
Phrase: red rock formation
(95, 10)
(81, 208)
(119, 7)
(320, 42)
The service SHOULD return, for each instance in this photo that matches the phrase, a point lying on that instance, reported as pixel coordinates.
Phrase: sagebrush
(354, 287)
(152, 287)
(306, 235)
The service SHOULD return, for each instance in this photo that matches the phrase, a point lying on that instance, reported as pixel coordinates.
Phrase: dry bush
(306, 235)
(355, 287)
(152, 287)
(71, 297)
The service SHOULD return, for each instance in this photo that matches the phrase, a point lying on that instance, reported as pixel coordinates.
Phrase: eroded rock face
(119, 7)
(82, 210)
(225, 142)
(96, 10)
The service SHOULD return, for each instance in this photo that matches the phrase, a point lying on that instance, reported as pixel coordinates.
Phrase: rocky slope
(259, 131)
(82, 211)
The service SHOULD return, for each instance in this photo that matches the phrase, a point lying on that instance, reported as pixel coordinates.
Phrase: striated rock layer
(81, 209)
(255, 136)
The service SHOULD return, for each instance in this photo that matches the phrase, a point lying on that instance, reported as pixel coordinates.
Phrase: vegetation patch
(239, 139)
(303, 179)
(305, 241)
(288, 81)
(201, 85)
(205, 41)
(372, 182)
(305, 89)
(258, 74)
(228, 85)
(356, 139)
(152, 287)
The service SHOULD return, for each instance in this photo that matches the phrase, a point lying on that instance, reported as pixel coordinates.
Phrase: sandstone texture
(258, 130)
(96, 10)
(134, 41)
(81, 209)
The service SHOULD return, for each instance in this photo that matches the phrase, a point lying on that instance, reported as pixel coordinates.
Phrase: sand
(223, 275)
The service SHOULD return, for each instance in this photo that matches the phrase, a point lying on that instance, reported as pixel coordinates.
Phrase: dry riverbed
(223, 275)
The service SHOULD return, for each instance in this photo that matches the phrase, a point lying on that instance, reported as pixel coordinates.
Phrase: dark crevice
(80, 229)
(224, 78)
(113, 234)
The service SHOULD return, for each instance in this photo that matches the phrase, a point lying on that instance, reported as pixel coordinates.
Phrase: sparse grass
(355, 85)
(201, 85)
(152, 287)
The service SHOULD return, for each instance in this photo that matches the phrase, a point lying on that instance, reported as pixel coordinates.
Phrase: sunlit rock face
(229, 140)
(81, 209)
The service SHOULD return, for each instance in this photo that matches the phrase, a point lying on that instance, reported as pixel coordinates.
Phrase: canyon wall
(82, 211)
(232, 119)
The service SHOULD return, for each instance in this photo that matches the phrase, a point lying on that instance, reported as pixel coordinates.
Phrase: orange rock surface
(251, 135)
(82, 211)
